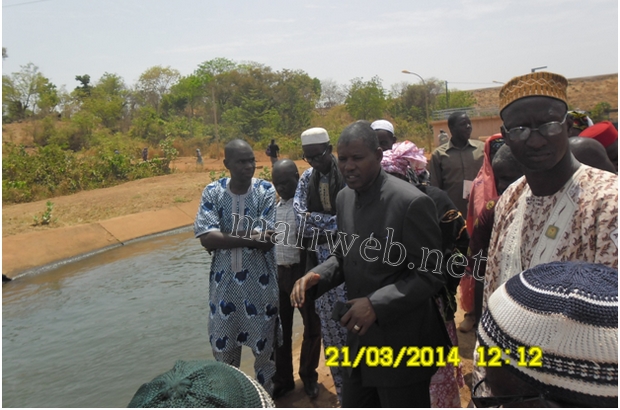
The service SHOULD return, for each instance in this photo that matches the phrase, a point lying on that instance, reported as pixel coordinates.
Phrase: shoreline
(36, 252)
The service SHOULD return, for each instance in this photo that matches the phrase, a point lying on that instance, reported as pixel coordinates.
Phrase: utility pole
(447, 96)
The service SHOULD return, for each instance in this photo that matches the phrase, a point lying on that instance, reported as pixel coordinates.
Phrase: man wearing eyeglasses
(315, 205)
(561, 209)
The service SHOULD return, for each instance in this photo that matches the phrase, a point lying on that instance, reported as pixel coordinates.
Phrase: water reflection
(89, 333)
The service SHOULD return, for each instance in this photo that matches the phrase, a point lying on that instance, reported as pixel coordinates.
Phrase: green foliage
(52, 171)
(154, 84)
(410, 103)
(105, 124)
(44, 131)
(147, 125)
(366, 100)
(170, 153)
(600, 112)
(213, 176)
(48, 97)
(265, 174)
(85, 88)
(215, 67)
(107, 101)
(295, 95)
(26, 92)
(456, 99)
(253, 115)
(46, 216)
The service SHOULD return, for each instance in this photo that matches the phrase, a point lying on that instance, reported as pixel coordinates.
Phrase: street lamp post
(430, 146)
(538, 68)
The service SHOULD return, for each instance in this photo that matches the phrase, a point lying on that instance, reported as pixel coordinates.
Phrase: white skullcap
(315, 135)
(382, 125)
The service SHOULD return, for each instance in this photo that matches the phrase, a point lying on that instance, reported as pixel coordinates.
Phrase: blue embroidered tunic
(243, 286)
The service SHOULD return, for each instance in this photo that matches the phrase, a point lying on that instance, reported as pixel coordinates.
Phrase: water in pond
(89, 333)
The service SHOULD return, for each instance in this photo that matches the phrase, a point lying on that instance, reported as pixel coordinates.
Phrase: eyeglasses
(315, 158)
(550, 129)
(497, 401)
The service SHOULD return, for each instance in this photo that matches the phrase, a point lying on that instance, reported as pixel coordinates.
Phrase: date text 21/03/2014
(426, 356)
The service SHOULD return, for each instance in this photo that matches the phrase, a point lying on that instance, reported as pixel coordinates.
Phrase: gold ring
(356, 328)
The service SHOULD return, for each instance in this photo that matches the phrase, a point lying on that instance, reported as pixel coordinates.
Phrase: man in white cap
(315, 204)
(385, 134)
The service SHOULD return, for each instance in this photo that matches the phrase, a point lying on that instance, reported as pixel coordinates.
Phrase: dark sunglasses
(314, 158)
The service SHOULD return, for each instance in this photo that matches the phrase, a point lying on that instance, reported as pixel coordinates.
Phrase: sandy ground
(158, 193)
(147, 194)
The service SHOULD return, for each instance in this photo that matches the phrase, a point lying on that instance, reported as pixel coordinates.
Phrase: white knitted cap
(570, 311)
(382, 125)
(315, 135)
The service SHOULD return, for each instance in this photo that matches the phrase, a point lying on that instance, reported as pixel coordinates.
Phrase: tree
(48, 97)
(185, 94)
(253, 115)
(4, 54)
(19, 92)
(600, 112)
(154, 84)
(409, 102)
(85, 88)
(332, 94)
(366, 100)
(215, 67)
(108, 100)
(294, 97)
(456, 99)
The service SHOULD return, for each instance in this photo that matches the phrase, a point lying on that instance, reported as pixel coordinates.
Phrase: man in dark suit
(388, 232)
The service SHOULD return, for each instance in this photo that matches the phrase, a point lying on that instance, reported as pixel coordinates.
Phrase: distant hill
(583, 93)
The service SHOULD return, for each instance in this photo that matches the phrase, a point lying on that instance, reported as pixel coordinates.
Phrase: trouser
(356, 395)
(478, 292)
(264, 366)
(332, 332)
(311, 344)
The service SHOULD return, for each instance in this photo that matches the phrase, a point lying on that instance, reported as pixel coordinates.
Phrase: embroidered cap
(382, 125)
(202, 383)
(604, 132)
(570, 311)
(540, 83)
(315, 135)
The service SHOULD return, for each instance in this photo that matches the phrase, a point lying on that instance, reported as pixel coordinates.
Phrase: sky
(468, 43)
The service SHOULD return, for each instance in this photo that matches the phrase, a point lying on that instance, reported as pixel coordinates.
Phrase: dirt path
(148, 194)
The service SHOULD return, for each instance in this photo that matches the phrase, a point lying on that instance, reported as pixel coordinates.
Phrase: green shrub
(52, 171)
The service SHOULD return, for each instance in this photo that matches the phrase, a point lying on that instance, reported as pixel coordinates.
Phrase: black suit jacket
(399, 287)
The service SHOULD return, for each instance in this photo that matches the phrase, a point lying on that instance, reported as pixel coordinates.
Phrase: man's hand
(298, 295)
(360, 316)
(258, 238)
